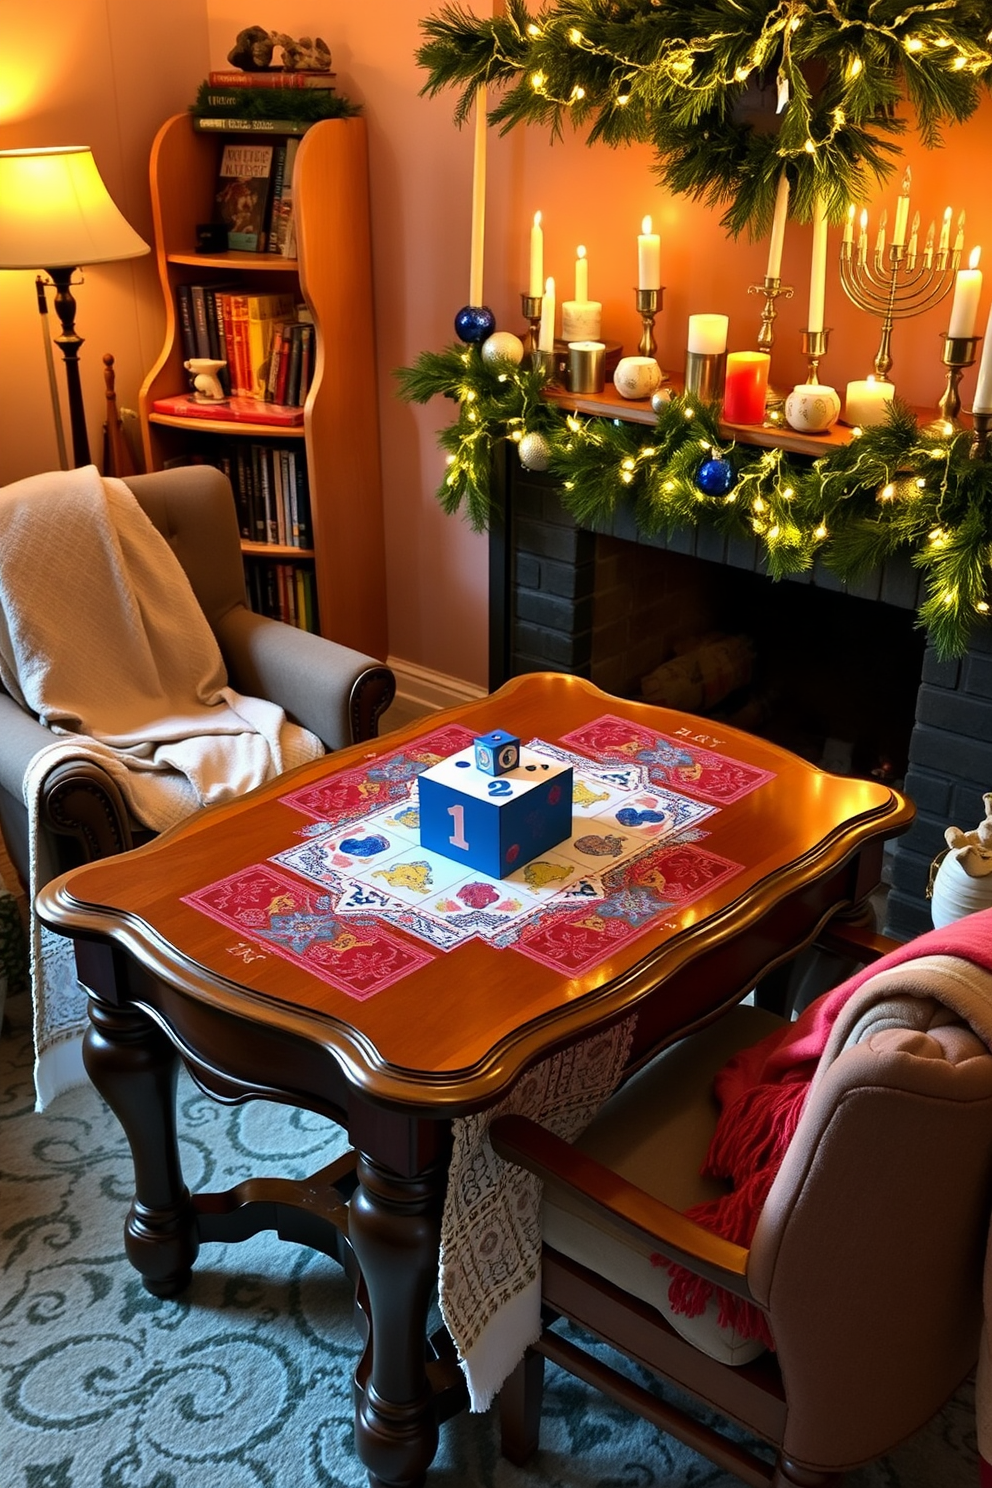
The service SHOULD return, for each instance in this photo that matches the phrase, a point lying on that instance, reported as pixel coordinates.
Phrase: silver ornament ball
(661, 398)
(535, 452)
(503, 346)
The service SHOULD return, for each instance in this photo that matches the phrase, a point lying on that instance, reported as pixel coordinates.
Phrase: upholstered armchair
(335, 692)
(866, 1263)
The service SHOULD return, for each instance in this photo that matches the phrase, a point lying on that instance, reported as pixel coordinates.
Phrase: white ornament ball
(660, 398)
(637, 377)
(503, 346)
(535, 452)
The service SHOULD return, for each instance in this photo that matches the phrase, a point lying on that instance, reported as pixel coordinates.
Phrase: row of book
(266, 341)
(254, 196)
(271, 492)
(284, 591)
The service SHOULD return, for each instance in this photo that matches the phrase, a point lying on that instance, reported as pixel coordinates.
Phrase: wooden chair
(867, 1259)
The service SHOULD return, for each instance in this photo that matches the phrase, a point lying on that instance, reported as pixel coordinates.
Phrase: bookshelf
(332, 275)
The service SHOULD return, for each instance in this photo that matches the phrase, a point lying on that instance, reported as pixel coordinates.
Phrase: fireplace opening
(831, 677)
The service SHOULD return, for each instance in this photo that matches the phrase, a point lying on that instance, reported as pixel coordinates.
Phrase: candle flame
(580, 252)
(976, 254)
(947, 214)
(646, 225)
(850, 212)
(907, 181)
(864, 219)
(537, 219)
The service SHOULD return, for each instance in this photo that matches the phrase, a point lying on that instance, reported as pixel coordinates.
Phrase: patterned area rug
(244, 1382)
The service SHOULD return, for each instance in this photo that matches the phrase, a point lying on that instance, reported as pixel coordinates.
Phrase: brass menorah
(898, 282)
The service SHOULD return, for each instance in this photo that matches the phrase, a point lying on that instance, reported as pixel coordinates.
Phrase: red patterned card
(638, 893)
(296, 921)
(355, 793)
(669, 761)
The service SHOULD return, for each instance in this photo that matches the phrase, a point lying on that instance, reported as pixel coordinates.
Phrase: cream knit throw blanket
(102, 638)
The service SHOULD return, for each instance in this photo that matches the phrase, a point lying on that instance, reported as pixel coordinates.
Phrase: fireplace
(841, 674)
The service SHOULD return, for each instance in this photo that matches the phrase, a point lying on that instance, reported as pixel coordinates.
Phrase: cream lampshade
(56, 214)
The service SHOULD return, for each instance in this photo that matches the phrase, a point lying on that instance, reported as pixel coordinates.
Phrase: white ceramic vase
(956, 892)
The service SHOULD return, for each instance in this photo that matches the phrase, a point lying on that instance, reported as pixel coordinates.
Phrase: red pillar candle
(746, 386)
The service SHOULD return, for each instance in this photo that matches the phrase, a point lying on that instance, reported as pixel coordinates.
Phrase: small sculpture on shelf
(254, 48)
(206, 383)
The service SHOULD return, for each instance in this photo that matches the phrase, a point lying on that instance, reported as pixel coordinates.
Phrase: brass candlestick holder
(904, 285)
(531, 307)
(959, 352)
(980, 439)
(814, 346)
(771, 288)
(648, 303)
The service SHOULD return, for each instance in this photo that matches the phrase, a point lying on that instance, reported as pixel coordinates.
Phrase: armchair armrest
(531, 1146)
(858, 942)
(336, 693)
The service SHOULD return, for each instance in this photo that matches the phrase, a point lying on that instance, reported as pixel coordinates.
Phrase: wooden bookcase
(333, 276)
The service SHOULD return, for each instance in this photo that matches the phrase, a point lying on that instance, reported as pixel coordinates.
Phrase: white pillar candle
(902, 211)
(967, 293)
(546, 335)
(535, 284)
(478, 198)
(648, 257)
(581, 275)
(708, 334)
(777, 239)
(818, 267)
(866, 402)
(880, 236)
(982, 401)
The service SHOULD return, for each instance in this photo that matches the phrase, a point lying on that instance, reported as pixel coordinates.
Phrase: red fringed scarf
(761, 1092)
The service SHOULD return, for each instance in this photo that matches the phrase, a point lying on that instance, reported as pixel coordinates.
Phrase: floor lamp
(56, 214)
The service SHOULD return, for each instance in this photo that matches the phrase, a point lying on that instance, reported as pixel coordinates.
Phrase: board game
(356, 871)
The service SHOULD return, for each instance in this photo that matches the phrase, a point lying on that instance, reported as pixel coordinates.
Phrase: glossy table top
(467, 1020)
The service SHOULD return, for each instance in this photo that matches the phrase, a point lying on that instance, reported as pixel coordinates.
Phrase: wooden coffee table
(182, 964)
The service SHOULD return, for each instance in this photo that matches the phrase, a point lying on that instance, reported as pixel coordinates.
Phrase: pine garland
(895, 489)
(308, 105)
(728, 92)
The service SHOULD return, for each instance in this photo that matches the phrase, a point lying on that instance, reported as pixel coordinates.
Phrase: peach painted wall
(127, 67)
(108, 74)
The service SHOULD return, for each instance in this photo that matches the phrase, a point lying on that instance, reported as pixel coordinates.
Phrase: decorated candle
(536, 282)
(777, 239)
(648, 257)
(902, 212)
(866, 402)
(745, 387)
(546, 335)
(708, 334)
(478, 198)
(967, 293)
(982, 401)
(818, 267)
(581, 317)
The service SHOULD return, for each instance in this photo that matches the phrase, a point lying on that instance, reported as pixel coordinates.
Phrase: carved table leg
(395, 1232)
(135, 1068)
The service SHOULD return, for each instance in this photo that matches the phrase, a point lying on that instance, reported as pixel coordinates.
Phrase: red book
(274, 79)
(230, 410)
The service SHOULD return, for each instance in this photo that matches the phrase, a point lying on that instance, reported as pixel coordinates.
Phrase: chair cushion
(655, 1132)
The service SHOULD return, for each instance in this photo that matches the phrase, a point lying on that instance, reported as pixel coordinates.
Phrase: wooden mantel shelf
(609, 404)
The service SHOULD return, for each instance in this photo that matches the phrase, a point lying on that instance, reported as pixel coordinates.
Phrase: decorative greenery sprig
(308, 105)
(894, 489)
(728, 92)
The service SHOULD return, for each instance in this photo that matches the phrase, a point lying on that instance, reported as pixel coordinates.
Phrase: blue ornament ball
(474, 323)
(715, 477)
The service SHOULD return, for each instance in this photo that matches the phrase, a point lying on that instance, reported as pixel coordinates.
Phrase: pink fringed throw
(761, 1092)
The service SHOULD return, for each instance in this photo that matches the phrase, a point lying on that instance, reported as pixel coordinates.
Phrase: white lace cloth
(490, 1271)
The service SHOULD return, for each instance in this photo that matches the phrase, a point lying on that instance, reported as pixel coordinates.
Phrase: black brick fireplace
(840, 667)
